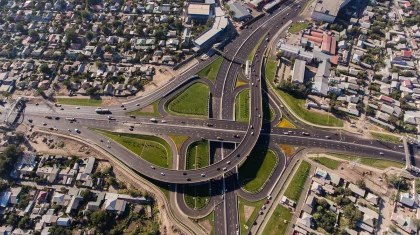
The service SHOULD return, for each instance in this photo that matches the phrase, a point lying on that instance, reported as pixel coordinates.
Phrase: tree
(23, 222)
(89, 35)
(20, 136)
(361, 184)
(32, 33)
(178, 24)
(19, 27)
(90, 91)
(8, 159)
(71, 35)
(84, 14)
(44, 68)
(98, 218)
(352, 214)
(108, 48)
(85, 194)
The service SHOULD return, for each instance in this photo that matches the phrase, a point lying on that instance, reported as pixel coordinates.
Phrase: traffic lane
(348, 148)
(231, 205)
(219, 218)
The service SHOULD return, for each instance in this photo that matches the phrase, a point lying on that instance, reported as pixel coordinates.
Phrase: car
(263, 207)
(261, 212)
(259, 115)
(62, 109)
(290, 132)
(48, 117)
(77, 107)
(202, 138)
(163, 121)
(122, 106)
(400, 146)
(36, 104)
(188, 179)
(252, 133)
(203, 175)
(55, 129)
(51, 128)
(68, 130)
(239, 155)
(30, 120)
(44, 123)
(224, 168)
(209, 124)
(137, 104)
(131, 129)
(162, 174)
(236, 136)
(286, 133)
(153, 167)
(218, 168)
(269, 197)
(267, 202)
(327, 137)
(219, 138)
(132, 116)
(57, 118)
(184, 173)
(252, 84)
(381, 153)
(251, 127)
(228, 162)
(77, 130)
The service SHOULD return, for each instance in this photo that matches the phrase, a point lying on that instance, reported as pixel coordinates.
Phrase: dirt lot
(248, 211)
(206, 225)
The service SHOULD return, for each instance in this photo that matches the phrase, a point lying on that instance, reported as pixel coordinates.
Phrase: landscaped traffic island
(193, 101)
(257, 168)
(242, 106)
(151, 148)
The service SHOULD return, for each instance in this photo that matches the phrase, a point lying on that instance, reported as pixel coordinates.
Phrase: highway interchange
(222, 133)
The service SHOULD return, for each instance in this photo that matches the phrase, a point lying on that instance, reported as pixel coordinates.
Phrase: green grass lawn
(210, 218)
(268, 112)
(279, 221)
(295, 188)
(80, 101)
(178, 140)
(257, 168)
(246, 224)
(211, 70)
(298, 27)
(145, 112)
(373, 162)
(151, 148)
(386, 138)
(251, 55)
(193, 101)
(197, 155)
(271, 69)
(298, 105)
(328, 162)
(242, 106)
(196, 196)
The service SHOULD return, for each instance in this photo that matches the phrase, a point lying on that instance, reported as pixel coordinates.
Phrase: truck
(102, 111)
(70, 119)
(153, 120)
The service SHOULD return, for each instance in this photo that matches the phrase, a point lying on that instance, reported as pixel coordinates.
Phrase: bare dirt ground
(148, 109)
(206, 225)
(185, 67)
(109, 101)
(248, 211)
(69, 148)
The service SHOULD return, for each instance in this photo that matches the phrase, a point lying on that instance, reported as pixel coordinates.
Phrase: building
(327, 10)
(356, 190)
(113, 204)
(239, 12)
(198, 12)
(210, 36)
(298, 52)
(320, 84)
(298, 75)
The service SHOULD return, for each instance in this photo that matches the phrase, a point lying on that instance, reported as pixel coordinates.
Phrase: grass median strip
(295, 188)
(80, 101)
(284, 123)
(197, 155)
(196, 196)
(257, 168)
(211, 70)
(207, 222)
(178, 140)
(151, 148)
(328, 162)
(242, 106)
(150, 110)
(248, 211)
(279, 221)
(254, 50)
(373, 162)
(193, 101)
(386, 138)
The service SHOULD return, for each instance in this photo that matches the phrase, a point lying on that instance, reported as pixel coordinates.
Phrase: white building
(327, 10)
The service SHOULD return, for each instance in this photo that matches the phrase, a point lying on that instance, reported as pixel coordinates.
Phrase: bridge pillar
(407, 154)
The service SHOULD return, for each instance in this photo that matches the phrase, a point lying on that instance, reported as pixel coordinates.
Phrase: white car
(162, 174)
(69, 130)
(381, 153)
(77, 107)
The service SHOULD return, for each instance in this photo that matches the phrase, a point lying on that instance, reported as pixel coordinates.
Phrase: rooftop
(198, 9)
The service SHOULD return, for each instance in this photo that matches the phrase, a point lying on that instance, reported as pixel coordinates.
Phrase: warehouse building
(209, 37)
(239, 11)
(198, 12)
(327, 10)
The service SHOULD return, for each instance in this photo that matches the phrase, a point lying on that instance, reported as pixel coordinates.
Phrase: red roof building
(386, 99)
(316, 34)
(406, 54)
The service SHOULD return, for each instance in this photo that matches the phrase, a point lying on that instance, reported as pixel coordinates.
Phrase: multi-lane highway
(221, 174)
